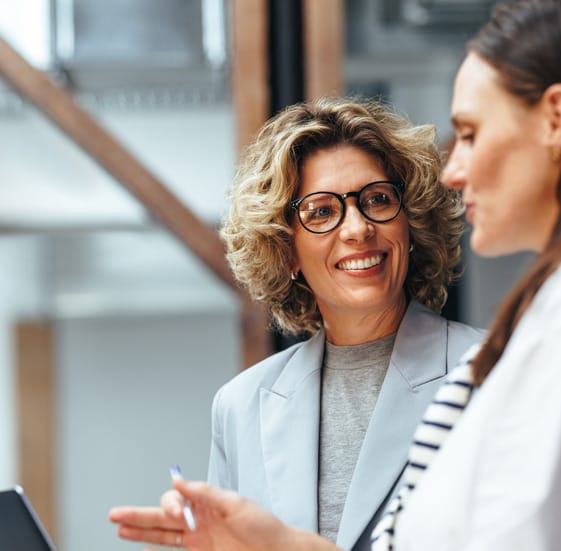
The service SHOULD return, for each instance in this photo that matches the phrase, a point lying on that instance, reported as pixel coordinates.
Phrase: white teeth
(360, 264)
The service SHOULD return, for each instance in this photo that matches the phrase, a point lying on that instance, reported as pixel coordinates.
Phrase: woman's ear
(551, 102)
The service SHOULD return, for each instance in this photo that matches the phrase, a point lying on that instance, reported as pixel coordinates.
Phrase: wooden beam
(251, 97)
(37, 418)
(250, 67)
(324, 43)
(251, 102)
(57, 104)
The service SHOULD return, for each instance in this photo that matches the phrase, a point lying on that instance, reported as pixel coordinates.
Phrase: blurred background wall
(133, 331)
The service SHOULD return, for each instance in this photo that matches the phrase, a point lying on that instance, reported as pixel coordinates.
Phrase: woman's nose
(355, 225)
(453, 174)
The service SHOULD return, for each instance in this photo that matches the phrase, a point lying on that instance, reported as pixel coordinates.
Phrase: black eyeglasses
(323, 211)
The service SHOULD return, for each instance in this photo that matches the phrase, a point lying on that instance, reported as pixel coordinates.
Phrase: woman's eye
(321, 212)
(466, 137)
(379, 199)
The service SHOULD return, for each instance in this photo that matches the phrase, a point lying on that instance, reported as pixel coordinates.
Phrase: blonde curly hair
(258, 227)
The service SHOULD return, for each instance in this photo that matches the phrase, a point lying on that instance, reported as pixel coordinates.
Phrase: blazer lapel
(419, 356)
(290, 412)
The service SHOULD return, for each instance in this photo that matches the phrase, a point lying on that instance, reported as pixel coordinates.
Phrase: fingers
(172, 503)
(170, 538)
(203, 494)
(166, 525)
(208, 503)
(149, 525)
(144, 517)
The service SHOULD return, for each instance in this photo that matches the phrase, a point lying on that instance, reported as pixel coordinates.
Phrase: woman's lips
(470, 211)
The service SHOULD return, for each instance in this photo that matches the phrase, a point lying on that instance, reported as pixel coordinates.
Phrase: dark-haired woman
(496, 482)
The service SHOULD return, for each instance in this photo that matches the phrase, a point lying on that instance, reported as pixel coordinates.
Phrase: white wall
(145, 333)
(22, 295)
(134, 374)
(133, 392)
(145, 336)
(191, 150)
(134, 398)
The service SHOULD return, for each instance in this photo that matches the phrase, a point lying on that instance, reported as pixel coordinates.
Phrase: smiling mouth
(361, 263)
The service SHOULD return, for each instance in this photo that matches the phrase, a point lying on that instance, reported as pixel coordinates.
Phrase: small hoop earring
(556, 155)
(294, 275)
(411, 248)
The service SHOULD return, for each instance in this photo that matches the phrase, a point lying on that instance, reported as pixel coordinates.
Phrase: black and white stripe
(440, 417)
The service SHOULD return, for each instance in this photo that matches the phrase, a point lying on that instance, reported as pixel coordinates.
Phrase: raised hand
(225, 521)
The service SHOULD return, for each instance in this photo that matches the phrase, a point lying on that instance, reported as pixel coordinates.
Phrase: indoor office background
(109, 323)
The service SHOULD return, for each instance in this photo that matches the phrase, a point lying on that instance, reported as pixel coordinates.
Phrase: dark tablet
(20, 527)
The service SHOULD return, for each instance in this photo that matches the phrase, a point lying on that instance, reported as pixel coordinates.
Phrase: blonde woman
(340, 225)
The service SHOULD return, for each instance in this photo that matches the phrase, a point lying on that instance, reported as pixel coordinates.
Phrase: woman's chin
(488, 247)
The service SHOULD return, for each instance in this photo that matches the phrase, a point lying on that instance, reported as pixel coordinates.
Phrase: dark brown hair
(522, 41)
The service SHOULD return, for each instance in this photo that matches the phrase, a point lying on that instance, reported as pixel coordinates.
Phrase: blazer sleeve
(218, 474)
(517, 492)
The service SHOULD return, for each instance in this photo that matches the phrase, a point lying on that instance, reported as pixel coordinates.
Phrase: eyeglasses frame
(400, 186)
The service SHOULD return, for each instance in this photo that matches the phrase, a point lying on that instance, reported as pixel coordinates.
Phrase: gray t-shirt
(351, 380)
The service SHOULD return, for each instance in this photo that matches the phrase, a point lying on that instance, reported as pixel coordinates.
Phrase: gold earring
(556, 155)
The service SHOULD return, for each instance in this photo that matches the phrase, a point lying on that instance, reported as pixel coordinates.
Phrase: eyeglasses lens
(320, 212)
(380, 202)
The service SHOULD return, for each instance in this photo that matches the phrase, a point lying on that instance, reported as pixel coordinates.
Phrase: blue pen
(175, 472)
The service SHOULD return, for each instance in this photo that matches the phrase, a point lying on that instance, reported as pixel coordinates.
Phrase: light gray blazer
(265, 423)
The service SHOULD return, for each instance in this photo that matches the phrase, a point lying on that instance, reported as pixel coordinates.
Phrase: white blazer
(495, 485)
(265, 424)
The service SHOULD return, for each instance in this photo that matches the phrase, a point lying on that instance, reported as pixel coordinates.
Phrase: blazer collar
(290, 412)
(416, 354)
(290, 435)
(305, 362)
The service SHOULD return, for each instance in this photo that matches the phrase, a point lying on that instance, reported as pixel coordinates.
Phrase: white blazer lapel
(290, 436)
(419, 357)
